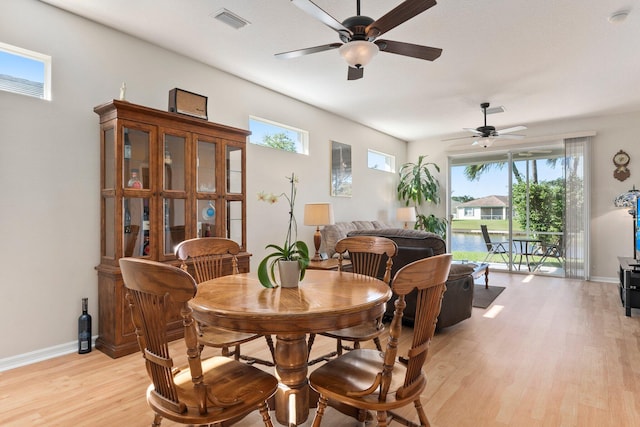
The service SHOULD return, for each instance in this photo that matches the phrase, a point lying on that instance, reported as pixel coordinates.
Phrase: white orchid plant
(293, 249)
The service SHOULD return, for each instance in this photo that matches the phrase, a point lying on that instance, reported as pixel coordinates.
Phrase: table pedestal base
(291, 370)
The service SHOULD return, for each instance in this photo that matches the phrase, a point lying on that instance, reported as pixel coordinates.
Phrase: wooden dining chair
(370, 380)
(366, 254)
(206, 392)
(209, 259)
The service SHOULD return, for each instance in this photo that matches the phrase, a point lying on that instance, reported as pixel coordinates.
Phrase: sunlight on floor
(528, 278)
(493, 312)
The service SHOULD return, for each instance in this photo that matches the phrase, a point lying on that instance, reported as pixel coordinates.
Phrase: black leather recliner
(413, 245)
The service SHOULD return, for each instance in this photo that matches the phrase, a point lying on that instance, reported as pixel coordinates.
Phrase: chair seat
(362, 332)
(219, 337)
(235, 381)
(356, 371)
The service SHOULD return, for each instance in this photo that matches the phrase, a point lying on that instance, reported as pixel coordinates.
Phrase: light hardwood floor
(548, 352)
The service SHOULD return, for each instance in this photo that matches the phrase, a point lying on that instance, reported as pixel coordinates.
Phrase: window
(381, 161)
(276, 135)
(25, 72)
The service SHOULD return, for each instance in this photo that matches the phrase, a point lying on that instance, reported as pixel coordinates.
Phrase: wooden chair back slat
(207, 255)
(366, 254)
(151, 288)
(428, 276)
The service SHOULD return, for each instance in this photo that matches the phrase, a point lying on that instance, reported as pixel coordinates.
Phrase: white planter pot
(289, 273)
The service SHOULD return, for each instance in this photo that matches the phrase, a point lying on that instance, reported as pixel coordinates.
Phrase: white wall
(611, 228)
(49, 164)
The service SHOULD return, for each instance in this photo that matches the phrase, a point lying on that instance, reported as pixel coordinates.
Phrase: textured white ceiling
(541, 60)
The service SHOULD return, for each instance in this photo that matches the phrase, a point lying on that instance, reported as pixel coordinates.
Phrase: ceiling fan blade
(459, 137)
(314, 10)
(307, 51)
(476, 131)
(512, 129)
(355, 73)
(509, 136)
(401, 13)
(408, 49)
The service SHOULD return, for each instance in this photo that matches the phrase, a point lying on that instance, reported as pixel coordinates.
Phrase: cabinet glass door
(174, 224)
(173, 191)
(234, 169)
(136, 227)
(234, 221)
(206, 213)
(206, 167)
(136, 179)
(136, 159)
(108, 183)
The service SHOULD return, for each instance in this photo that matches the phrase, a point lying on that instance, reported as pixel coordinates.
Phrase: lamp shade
(358, 53)
(407, 214)
(627, 199)
(318, 214)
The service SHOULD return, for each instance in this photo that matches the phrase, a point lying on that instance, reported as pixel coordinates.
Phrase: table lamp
(629, 199)
(406, 215)
(318, 214)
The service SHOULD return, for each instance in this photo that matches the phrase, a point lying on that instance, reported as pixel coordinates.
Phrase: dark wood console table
(629, 283)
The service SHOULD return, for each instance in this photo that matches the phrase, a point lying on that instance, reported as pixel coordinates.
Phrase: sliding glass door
(509, 208)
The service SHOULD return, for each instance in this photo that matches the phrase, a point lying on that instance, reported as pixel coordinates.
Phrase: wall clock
(621, 159)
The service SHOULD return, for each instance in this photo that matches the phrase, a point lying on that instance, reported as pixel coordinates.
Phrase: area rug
(482, 298)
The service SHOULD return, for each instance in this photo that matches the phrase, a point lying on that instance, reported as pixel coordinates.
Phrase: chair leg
(382, 418)
(236, 353)
(312, 338)
(157, 419)
(376, 341)
(271, 347)
(225, 351)
(264, 411)
(339, 346)
(322, 405)
(421, 415)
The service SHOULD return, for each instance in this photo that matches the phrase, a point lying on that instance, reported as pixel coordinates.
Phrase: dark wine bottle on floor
(84, 329)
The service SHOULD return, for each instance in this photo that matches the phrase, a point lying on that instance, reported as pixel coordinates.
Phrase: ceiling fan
(486, 135)
(359, 35)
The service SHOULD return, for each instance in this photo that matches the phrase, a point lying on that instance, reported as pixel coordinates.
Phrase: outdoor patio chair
(494, 248)
(552, 250)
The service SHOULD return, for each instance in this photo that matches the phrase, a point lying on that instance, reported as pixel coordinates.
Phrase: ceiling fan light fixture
(485, 142)
(358, 53)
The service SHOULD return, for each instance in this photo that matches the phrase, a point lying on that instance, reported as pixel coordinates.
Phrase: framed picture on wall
(341, 178)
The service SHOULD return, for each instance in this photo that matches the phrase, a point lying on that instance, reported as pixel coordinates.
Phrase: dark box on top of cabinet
(189, 103)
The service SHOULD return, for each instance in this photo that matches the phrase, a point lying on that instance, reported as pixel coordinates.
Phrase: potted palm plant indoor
(417, 186)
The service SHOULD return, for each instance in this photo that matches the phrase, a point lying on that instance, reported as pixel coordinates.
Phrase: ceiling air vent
(230, 18)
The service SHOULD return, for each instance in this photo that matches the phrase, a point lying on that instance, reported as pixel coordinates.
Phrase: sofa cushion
(364, 225)
(380, 224)
(332, 233)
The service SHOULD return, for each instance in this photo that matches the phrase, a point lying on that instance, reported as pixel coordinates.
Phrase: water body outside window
(519, 196)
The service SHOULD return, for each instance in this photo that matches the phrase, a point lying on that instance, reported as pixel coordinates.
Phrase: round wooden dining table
(324, 301)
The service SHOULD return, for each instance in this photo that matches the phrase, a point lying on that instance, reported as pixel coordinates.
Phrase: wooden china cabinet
(164, 178)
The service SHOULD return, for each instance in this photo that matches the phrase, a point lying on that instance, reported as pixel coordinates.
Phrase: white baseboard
(40, 355)
(604, 279)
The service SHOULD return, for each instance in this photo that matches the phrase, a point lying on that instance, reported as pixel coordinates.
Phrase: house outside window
(25, 72)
